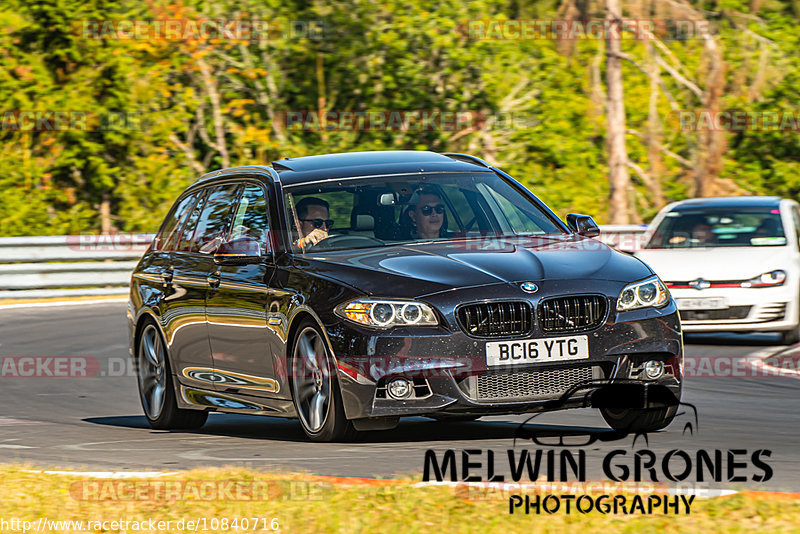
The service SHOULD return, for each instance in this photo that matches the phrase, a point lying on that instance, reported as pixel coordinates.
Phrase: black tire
(315, 381)
(639, 420)
(790, 337)
(153, 370)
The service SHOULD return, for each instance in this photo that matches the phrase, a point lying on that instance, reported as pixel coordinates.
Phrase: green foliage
(195, 105)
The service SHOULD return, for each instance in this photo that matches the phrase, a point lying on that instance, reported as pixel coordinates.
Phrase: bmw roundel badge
(529, 287)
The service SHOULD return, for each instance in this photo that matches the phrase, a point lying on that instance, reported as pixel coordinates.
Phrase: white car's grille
(773, 311)
(734, 313)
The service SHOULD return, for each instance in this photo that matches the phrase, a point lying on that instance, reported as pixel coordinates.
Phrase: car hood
(422, 269)
(714, 263)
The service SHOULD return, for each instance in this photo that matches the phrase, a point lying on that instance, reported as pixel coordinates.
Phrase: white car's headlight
(770, 279)
(650, 292)
(387, 313)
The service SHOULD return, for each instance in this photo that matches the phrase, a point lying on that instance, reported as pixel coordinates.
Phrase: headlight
(387, 313)
(650, 292)
(772, 278)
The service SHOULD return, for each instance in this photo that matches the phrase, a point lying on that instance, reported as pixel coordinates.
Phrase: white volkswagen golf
(732, 263)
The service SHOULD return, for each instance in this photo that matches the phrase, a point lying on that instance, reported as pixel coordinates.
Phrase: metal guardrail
(67, 266)
(89, 265)
(625, 237)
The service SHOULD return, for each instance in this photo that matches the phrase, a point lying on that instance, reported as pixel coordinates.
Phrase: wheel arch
(147, 315)
(299, 314)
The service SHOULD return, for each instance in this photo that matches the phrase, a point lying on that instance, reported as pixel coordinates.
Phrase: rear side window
(185, 236)
(251, 219)
(170, 229)
(214, 221)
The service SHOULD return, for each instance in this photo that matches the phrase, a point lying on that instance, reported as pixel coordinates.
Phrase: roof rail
(278, 166)
(467, 158)
(232, 170)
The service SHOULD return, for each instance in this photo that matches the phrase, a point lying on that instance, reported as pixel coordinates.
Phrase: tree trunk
(619, 179)
(105, 214)
(654, 131)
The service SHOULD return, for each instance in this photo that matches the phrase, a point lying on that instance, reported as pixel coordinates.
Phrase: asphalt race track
(96, 423)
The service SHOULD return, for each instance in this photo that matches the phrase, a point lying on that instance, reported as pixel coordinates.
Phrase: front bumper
(749, 309)
(450, 371)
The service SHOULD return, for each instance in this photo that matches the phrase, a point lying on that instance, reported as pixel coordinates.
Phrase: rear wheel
(156, 389)
(639, 420)
(315, 388)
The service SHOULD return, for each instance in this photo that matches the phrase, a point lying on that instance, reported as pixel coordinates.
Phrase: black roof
(308, 168)
(352, 164)
(728, 202)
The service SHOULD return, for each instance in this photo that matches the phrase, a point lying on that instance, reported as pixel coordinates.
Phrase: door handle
(213, 280)
(167, 276)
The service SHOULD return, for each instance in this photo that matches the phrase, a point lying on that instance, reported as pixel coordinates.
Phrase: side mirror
(239, 251)
(583, 225)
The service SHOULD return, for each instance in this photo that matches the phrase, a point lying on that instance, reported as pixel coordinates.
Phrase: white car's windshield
(390, 210)
(740, 227)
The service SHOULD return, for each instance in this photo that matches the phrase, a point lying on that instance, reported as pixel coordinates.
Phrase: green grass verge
(307, 504)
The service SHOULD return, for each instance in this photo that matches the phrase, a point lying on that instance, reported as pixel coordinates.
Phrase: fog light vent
(400, 388)
(653, 369)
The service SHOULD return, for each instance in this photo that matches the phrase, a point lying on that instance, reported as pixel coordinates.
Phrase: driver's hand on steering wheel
(316, 235)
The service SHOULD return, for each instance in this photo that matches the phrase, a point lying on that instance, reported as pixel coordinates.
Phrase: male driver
(312, 213)
(427, 214)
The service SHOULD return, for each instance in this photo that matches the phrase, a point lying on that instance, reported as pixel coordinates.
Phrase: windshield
(390, 210)
(739, 227)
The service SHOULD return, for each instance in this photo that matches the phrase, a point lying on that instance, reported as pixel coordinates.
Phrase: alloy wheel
(152, 372)
(311, 379)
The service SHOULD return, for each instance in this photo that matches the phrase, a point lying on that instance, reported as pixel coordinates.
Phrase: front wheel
(790, 337)
(315, 388)
(634, 420)
(156, 390)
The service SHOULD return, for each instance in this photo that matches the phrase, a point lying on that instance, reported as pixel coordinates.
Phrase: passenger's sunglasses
(427, 210)
(319, 223)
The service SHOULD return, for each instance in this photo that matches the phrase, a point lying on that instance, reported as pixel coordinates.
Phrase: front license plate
(542, 350)
(711, 303)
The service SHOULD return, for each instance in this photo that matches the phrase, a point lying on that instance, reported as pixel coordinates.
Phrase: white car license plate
(711, 303)
(542, 350)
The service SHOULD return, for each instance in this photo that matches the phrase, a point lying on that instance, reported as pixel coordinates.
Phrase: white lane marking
(106, 474)
(12, 446)
(554, 487)
(60, 303)
(9, 421)
(203, 454)
(758, 361)
(86, 446)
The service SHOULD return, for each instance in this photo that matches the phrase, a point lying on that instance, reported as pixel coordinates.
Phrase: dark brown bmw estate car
(349, 290)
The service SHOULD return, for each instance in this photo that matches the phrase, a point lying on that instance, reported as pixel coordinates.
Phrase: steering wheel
(344, 241)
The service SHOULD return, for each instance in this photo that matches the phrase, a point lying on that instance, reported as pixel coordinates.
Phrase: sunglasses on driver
(319, 223)
(427, 210)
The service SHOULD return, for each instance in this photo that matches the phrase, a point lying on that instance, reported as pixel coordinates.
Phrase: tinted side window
(512, 217)
(214, 221)
(165, 240)
(251, 219)
(186, 233)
